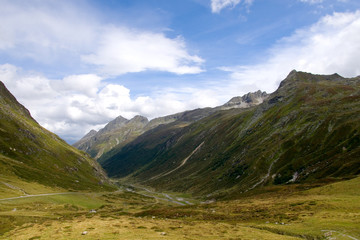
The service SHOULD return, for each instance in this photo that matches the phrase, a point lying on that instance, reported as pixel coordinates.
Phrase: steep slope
(308, 130)
(121, 131)
(30, 153)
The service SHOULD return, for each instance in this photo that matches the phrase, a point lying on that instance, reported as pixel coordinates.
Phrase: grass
(138, 228)
(281, 212)
(311, 214)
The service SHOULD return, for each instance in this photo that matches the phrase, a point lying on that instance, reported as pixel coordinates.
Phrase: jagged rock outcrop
(248, 100)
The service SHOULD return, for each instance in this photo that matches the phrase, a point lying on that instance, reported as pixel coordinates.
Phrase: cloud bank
(76, 104)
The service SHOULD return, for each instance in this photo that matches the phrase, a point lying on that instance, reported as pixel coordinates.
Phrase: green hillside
(306, 131)
(32, 157)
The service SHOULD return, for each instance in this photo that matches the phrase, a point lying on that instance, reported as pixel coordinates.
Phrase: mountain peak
(114, 124)
(118, 131)
(295, 77)
(139, 119)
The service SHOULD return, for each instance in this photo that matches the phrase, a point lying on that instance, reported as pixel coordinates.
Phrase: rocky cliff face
(33, 154)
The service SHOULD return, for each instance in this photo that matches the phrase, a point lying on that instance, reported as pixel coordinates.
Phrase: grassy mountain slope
(31, 154)
(308, 130)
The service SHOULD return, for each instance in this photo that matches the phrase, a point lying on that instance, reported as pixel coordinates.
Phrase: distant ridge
(121, 131)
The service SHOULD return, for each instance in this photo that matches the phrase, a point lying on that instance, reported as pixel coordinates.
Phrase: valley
(283, 165)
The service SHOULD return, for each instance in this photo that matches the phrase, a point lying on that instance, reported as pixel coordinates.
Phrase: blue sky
(78, 64)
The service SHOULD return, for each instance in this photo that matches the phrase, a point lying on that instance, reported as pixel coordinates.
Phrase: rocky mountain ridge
(121, 131)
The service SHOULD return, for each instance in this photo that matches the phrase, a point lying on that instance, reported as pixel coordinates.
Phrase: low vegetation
(282, 212)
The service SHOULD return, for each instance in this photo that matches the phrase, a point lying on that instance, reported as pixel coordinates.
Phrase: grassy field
(289, 212)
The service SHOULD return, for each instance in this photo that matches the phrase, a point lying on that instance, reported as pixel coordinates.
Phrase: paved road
(37, 195)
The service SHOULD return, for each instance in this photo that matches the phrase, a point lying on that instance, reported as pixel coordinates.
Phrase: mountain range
(121, 131)
(308, 130)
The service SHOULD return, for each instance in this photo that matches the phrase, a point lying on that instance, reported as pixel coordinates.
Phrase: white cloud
(123, 50)
(218, 5)
(87, 84)
(61, 32)
(330, 45)
(75, 104)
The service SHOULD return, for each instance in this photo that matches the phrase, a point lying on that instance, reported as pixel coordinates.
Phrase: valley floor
(328, 212)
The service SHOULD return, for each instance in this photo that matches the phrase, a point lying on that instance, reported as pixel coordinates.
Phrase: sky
(76, 65)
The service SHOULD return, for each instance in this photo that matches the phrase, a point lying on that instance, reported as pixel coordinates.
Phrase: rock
(248, 100)
(84, 233)
(163, 233)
